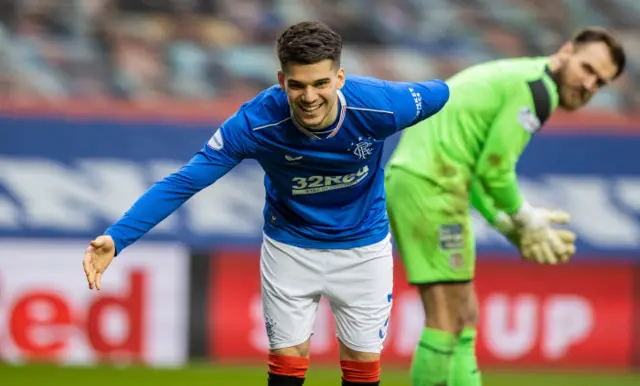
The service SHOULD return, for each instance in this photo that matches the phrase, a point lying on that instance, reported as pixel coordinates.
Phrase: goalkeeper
(465, 154)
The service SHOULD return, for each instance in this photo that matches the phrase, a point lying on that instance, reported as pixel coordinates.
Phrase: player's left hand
(526, 243)
(529, 246)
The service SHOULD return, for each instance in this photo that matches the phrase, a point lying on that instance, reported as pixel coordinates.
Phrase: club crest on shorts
(450, 237)
(456, 261)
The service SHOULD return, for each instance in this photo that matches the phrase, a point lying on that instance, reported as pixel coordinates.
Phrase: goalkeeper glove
(529, 230)
(567, 238)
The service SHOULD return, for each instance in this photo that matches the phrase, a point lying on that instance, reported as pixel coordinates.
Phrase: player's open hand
(564, 237)
(539, 241)
(547, 245)
(97, 258)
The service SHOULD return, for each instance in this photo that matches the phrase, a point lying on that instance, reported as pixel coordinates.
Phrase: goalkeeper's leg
(464, 367)
(445, 354)
(434, 236)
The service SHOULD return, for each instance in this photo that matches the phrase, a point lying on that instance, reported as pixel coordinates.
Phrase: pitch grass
(208, 375)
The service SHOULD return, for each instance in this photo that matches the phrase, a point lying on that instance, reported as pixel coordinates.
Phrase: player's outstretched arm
(162, 199)
(230, 144)
(227, 147)
(166, 196)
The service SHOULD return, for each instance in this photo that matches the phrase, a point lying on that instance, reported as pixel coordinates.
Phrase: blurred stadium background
(99, 98)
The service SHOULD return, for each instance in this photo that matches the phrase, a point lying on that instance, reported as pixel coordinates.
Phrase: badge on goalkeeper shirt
(528, 120)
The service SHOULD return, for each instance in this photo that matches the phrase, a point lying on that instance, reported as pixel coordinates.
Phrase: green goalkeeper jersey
(472, 145)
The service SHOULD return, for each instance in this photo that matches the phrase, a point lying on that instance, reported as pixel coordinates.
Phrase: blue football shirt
(323, 189)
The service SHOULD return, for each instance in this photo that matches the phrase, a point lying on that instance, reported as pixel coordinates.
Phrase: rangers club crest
(362, 149)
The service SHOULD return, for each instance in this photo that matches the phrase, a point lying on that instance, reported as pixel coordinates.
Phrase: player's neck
(555, 67)
(554, 63)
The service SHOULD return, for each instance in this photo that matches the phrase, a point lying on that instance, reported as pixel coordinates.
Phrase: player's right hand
(566, 237)
(97, 258)
(542, 245)
(538, 241)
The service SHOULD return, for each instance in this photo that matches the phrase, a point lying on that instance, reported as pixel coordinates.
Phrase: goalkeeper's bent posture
(467, 154)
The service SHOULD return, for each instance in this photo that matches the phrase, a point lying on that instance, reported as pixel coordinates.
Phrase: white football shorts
(357, 282)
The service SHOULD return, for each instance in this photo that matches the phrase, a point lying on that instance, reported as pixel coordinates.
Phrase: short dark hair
(599, 34)
(309, 42)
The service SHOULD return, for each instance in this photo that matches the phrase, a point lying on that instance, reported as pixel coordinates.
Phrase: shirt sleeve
(228, 146)
(482, 202)
(414, 102)
(509, 135)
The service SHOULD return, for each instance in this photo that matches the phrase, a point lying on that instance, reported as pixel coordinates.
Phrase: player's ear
(567, 49)
(281, 79)
(342, 76)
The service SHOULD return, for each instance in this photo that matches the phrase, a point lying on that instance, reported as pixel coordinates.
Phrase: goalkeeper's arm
(496, 218)
(496, 168)
(496, 175)
(482, 202)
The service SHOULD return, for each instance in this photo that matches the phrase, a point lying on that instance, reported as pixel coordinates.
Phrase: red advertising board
(47, 312)
(574, 315)
(571, 316)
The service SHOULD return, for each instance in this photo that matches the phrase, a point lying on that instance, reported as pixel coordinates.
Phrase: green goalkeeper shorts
(432, 229)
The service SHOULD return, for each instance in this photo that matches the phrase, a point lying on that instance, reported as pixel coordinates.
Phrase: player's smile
(311, 115)
(316, 114)
(310, 109)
